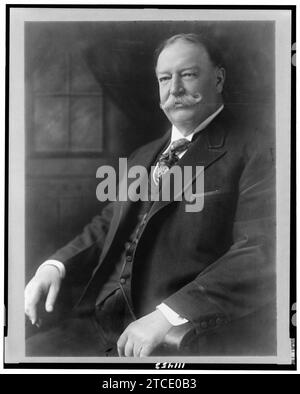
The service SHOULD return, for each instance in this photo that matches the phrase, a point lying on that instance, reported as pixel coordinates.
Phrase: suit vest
(114, 296)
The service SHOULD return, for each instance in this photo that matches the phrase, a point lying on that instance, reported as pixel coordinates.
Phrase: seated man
(153, 264)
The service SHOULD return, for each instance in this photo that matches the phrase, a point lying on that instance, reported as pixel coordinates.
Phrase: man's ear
(220, 78)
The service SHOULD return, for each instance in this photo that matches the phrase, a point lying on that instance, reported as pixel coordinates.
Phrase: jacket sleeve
(243, 279)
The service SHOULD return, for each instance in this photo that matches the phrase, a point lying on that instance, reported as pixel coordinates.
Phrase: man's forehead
(182, 51)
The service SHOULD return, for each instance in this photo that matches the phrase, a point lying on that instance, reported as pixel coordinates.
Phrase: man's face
(190, 85)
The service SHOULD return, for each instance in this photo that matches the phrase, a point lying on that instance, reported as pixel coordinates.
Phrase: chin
(182, 116)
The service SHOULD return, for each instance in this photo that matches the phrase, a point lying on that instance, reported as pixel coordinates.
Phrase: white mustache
(186, 100)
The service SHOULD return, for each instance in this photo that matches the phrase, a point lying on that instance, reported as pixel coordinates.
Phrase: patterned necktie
(169, 158)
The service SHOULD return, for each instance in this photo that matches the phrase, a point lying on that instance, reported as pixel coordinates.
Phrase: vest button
(122, 281)
(129, 259)
(127, 245)
(203, 324)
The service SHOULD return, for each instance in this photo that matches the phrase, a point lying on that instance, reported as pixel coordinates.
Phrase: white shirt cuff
(57, 264)
(171, 316)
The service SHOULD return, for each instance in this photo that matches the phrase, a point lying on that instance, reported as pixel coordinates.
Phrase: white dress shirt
(177, 135)
(174, 318)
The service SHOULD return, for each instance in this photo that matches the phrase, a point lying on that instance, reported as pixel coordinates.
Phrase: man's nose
(176, 88)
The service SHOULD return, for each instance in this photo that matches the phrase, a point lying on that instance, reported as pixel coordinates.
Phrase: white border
(16, 162)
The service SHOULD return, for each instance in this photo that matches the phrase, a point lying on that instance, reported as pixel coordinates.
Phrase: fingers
(137, 349)
(51, 298)
(142, 336)
(125, 346)
(146, 350)
(121, 344)
(32, 297)
(129, 348)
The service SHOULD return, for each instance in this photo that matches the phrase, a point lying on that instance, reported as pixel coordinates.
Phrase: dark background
(92, 97)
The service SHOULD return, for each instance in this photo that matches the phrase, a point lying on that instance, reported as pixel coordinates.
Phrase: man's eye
(187, 75)
(163, 79)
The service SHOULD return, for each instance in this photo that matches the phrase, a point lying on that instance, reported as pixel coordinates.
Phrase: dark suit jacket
(213, 267)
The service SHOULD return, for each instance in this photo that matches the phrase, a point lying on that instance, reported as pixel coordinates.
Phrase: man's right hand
(45, 283)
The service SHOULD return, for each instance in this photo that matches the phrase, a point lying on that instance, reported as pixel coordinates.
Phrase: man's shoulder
(249, 133)
(250, 145)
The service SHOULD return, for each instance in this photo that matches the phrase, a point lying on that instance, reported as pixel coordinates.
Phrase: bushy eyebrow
(193, 68)
(189, 68)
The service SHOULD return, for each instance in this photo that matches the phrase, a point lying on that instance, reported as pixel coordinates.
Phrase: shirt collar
(176, 134)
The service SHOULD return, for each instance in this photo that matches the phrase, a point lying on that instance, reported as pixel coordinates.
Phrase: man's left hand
(142, 336)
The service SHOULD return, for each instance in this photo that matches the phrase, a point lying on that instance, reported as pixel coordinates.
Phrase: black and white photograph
(149, 186)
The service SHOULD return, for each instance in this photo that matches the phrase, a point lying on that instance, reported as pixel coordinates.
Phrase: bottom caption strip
(145, 382)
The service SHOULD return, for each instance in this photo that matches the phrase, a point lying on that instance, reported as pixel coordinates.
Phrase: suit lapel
(204, 151)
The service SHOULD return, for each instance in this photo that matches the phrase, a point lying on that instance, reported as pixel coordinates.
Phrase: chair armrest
(252, 334)
(178, 337)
